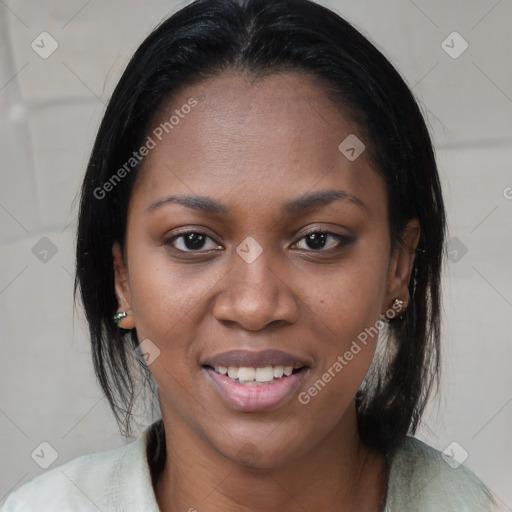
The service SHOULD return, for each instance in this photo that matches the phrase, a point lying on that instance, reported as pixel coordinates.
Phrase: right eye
(191, 241)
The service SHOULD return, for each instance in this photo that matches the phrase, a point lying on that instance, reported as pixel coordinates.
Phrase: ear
(401, 264)
(122, 288)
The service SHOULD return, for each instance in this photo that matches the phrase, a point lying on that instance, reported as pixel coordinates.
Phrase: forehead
(280, 133)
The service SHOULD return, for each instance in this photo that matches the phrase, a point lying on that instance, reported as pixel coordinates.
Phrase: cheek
(348, 304)
(157, 289)
(155, 295)
(169, 302)
(349, 298)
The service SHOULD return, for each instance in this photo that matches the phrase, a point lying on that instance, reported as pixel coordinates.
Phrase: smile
(255, 382)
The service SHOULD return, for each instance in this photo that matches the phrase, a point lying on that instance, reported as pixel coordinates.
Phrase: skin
(253, 146)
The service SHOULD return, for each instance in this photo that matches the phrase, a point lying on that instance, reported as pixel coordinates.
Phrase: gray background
(49, 112)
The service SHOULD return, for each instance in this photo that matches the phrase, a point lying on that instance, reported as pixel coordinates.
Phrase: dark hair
(259, 38)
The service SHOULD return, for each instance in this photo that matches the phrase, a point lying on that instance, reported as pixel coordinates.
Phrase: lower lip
(265, 397)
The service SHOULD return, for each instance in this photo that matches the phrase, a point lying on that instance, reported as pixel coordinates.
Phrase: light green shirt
(119, 480)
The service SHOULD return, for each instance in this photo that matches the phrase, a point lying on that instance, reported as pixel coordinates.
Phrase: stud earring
(395, 312)
(119, 316)
(123, 320)
(398, 304)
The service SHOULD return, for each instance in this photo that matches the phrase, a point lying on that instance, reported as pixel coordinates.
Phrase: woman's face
(234, 268)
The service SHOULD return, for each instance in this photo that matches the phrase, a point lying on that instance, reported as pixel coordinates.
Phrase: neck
(340, 473)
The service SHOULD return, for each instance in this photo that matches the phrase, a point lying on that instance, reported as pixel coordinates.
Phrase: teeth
(254, 376)
(245, 373)
(278, 371)
(264, 374)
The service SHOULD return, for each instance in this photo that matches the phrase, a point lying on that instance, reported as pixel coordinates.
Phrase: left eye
(191, 242)
(321, 240)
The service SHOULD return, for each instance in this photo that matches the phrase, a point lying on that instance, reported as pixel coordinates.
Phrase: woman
(260, 238)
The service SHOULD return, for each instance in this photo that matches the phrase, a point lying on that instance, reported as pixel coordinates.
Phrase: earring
(398, 304)
(124, 321)
(395, 312)
(119, 316)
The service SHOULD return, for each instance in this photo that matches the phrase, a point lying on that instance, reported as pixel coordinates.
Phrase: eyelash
(343, 241)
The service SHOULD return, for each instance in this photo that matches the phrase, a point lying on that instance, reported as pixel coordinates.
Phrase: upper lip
(248, 358)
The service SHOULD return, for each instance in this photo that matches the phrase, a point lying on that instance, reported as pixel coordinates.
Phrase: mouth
(255, 381)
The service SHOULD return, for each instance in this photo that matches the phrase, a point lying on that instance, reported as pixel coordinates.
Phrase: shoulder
(98, 481)
(422, 479)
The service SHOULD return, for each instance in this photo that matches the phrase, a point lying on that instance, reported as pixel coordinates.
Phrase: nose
(255, 295)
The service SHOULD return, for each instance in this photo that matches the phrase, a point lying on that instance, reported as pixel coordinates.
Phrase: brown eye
(323, 241)
(192, 241)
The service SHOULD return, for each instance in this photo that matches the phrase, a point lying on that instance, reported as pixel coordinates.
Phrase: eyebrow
(318, 200)
(200, 203)
(297, 206)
